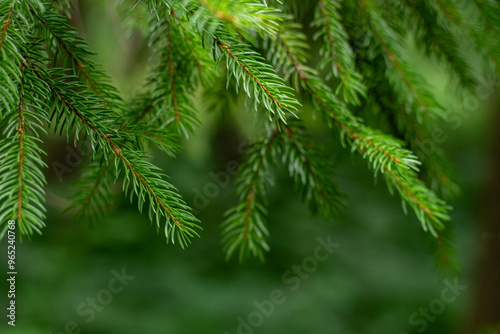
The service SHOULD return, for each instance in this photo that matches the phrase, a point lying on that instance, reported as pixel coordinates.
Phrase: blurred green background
(383, 271)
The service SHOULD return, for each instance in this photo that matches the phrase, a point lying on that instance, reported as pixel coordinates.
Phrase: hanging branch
(11, 44)
(384, 153)
(173, 82)
(259, 79)
(472, 28)
(223, 29)
(93, 197)
(312, 172)
(60, 35)
(244, 228)
(21, 179)
(400, 73)
(337, 52)
(439, 41)
(143, 177)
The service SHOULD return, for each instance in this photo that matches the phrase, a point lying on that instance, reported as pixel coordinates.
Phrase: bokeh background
(383, 271)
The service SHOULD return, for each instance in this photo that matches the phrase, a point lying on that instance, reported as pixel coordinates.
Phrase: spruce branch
(400, 72)
(382, 102)
(436, 167)
(384, 153)
(21, 178)
(48, 79)
(431, 211)
(244, 230)
(174, 79)
(93, 198)
(337, 52)
(12, 39)
(439, 41)
(242, 16)
(312, 172)
(76, 52)
(472, 27)
(147, 182)
(259, 80)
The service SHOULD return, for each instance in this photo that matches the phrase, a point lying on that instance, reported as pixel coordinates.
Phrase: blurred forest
(382, 273)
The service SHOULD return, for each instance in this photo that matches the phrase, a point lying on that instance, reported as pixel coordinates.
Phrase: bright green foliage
(81, 104)
(181, 63)
(360, 82)
(22, 181)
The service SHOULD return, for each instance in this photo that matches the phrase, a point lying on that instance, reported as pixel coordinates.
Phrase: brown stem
(20, 129)
(171, 71)
(6, 23)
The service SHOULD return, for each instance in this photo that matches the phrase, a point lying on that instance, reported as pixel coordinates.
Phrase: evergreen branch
(249, 72)
(259, 79)
(337, 52)
(93, 197)
(384, 153)
(363, 139)
(383, 102)
(78, 53)
(47, 76)
(244, 228)
(291, 39)
(12, 39)
(312, 173)
(21, 178)
(173, 82)
(144, 177)
(6, 23)
(439, 41)
(472, 27)
(429, 209)
(437, 168)
(399, 71)
(205, 64)
(242, 16)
